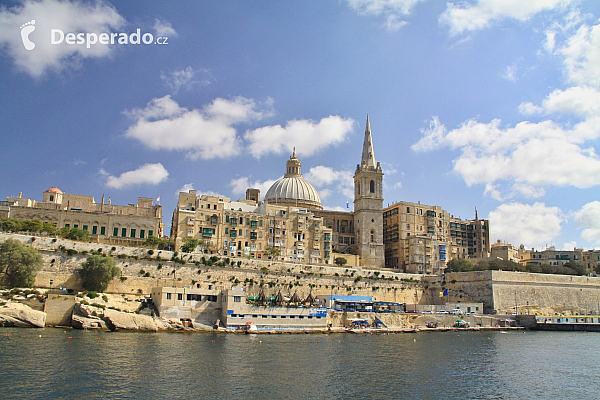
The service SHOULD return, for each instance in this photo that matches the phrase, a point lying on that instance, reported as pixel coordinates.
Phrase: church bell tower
(368, 205)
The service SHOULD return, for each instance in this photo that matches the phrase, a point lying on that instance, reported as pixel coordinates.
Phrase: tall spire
(368, 155)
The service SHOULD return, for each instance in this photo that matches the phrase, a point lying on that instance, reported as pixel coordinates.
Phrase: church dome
(292, 189)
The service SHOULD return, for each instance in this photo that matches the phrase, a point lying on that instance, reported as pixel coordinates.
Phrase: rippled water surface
(467, 365)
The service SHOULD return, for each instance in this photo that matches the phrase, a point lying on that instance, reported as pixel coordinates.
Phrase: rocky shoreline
(88, 317)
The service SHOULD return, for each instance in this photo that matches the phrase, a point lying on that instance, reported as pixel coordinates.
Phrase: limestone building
(551, 256)
(107, 223)
(421, 239)
(505, 251)
(290, 218)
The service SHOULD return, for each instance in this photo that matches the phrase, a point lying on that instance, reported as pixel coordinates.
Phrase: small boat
(250, 327)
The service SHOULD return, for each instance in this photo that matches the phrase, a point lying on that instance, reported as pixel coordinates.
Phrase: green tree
(340, 261)
(272, 251)
(31, 225)
(156, 243)
(74, 234)
(11, 225)
(97, 272)
(459, 265)
(49, 228)
(189, 244)
(19, 263)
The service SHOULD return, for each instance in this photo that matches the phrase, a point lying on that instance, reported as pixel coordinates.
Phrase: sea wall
(540, 294)
(141, 271)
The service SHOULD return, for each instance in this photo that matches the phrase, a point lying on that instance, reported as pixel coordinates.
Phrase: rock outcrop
(20, 315)
(91, 317)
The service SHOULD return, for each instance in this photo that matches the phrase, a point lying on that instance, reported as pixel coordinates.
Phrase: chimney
(20, 195)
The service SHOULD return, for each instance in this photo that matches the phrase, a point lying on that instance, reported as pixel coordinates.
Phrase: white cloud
(378, 7)
(239, 185)
(388, 169)
(582, 101)
(207, 133)
(465, 17)
(185, 188)
(339, 208)
(581, 54)
(96, 17)
(152, 174)
(588, 219)
(391, 9)
(550, 42)
(393, 23)
(186, 78)
(328, 179)
(528, 154)
(531, 225)
(164, 28)
(528, 108)
(570, 246)
(510, 73)
(307, 136)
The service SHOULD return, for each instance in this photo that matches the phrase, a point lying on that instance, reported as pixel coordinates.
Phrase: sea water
(54, 364)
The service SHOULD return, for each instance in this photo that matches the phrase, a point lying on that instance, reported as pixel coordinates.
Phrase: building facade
(505, 251)
(245, 228)
(550, 256)
(420, 239)
(591, 260)
(290, 219)
(106, 223)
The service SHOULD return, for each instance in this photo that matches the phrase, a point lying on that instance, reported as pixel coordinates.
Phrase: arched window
(372, 186)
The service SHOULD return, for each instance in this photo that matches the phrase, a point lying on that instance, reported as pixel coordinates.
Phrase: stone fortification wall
(540, 294)
(141, 274)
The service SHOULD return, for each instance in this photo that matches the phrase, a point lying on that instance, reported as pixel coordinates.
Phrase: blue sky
(486, 104)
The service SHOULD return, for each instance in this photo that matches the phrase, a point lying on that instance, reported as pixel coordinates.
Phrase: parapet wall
(526, 293)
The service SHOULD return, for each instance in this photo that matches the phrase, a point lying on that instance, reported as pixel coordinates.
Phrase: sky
(491, 105)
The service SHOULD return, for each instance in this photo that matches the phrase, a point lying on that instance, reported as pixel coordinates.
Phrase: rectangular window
(67, 225)
(226, 231)
(168, 296)
(94, 230)
(85, 227)
(227, 218)
(247, 221)
(115, 231)
(150, 233)
(142, 233)
(237, 299)
(103, 230)
(123, 232)
(132, 233)
(179, 296)
(75, 226)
